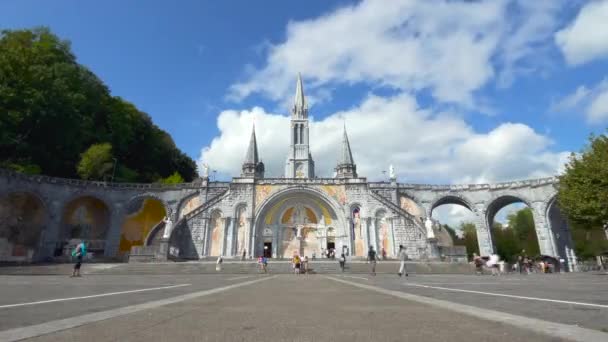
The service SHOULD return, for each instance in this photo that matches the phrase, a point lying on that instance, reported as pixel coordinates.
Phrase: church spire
(252, 167)
(300, 108)
(346, 165)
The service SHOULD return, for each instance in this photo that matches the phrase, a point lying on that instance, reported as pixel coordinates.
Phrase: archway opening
(453, 224)
(360, 250)
(384, 242)
(143, 215)
(85, 218)
(298, 221)
(22, 218)
(242, 229)
(513, 230)
(217, 227)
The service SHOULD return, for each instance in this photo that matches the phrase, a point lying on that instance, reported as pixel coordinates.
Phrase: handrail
(397, 209)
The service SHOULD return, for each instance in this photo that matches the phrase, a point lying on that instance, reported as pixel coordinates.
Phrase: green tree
(506, 242)
(52, 109)
(469, 236)
(175, 178)
(522, 223)
(457, 240)
(96, 162)
(583, 194)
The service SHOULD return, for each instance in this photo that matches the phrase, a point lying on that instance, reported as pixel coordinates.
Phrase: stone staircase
(236, 267)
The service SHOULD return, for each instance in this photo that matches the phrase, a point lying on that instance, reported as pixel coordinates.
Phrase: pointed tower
(299, 160)
(252, 167)
(346, 166)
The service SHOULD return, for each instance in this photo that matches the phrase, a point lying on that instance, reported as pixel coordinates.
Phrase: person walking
(402, 258)
(218, 263)
(79, 252)
(265, 264)
(305, 264)
(371, 258)
(342, 262)
(244, 255)
(478, 262)
(296, 264)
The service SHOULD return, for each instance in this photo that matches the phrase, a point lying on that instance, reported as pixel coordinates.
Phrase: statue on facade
(429, 228)
(205, 171)
(168, 226)
(391, 172)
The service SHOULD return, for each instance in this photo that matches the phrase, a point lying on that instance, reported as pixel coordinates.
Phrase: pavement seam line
(511, 296)
(36, 330)
(546, 328)
(91, 296)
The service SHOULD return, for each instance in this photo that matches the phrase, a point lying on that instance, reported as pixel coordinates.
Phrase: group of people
(372, 258)
(524, 264)
(329, 253)
(300, 265)
(493, 263)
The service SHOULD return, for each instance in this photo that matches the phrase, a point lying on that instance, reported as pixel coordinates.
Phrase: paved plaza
(286, 307)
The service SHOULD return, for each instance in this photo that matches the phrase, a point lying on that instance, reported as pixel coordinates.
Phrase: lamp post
(114, 169)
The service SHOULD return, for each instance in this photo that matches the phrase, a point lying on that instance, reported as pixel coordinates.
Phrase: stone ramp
(237, 267)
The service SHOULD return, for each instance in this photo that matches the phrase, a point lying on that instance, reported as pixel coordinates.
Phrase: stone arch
(284, 240)
(358, 231)
(217, 232)
(148, 195)
(558, 225)
(457, 199)
(23, 216)
(143, 220)
(498, 202)
(85, 217)
(383, 232)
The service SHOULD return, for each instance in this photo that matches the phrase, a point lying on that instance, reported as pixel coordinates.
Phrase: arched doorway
(384, 239)
(297, 221)
(217, 228)
(454, 222)
(360, 248)
(22, 218)
(143, 215)
(85, 218)
(511, 221)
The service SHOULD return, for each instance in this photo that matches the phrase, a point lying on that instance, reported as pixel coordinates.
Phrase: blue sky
(447, 91)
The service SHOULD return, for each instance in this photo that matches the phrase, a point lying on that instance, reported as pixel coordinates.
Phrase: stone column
(484, 236)
(113, 235)
(366, 222)
(206, 236)
(544, 234)
(252, 237)
(275, 241)
(51, 235)
(373, 232)
(228, 236)
(392, 236)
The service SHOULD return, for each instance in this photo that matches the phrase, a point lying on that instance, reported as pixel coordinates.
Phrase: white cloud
(453, 215)
(423, 145)
(592, 102)
(531, 24)
(586, 38)
(446, 47)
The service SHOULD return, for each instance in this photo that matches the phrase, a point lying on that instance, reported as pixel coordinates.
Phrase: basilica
(42, 218)
(303, 214)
